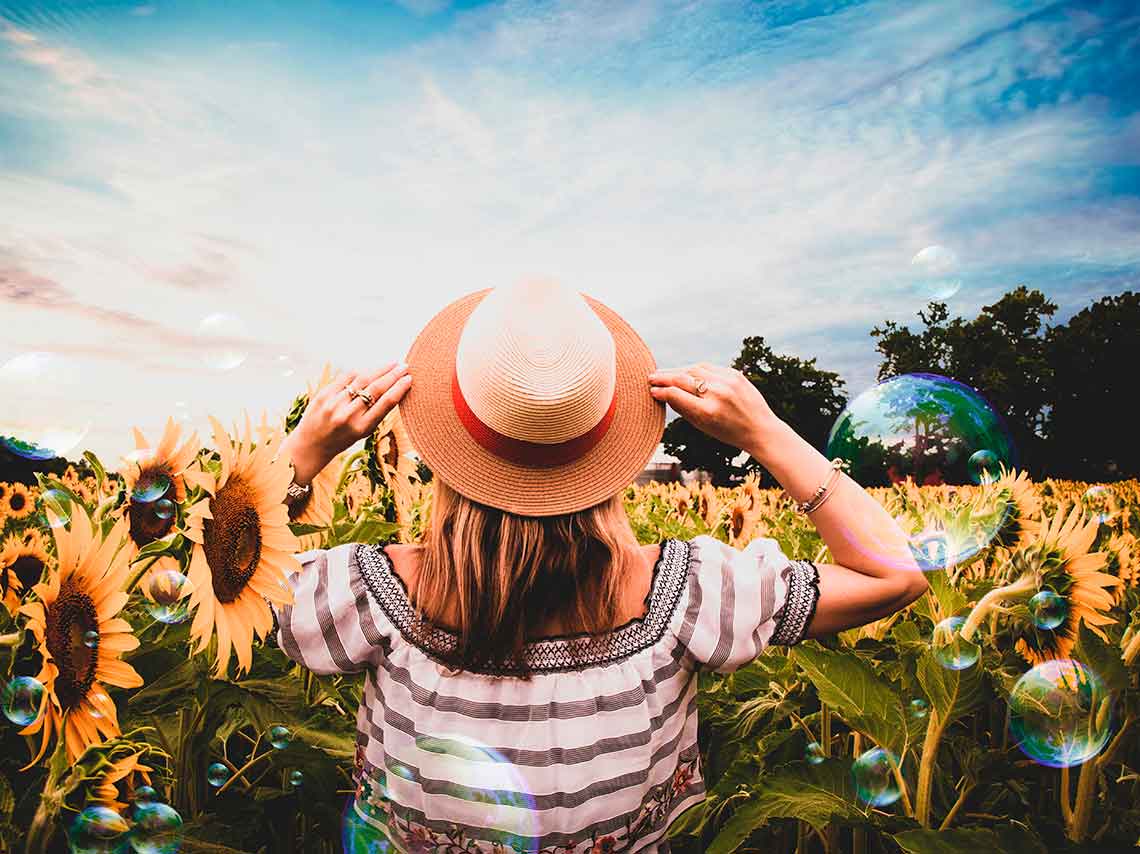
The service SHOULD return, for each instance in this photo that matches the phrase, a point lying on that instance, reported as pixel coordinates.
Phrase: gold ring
(702, 387)
(366, 397)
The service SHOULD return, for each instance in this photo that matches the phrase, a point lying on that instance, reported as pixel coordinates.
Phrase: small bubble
(91, 639)
(935, 271)
(813, 753)
(22, 699)
(951, 650)
(285, 366)
(94, 828)
(157, 830)
(97, 701)
(144, 795)
(1097, 500)
(918, 708)
(984, 467)
(151, 486)
(217, 774)
(225, 340)
(875, 782)
(169, 599)
(296, 778)
(280, 737)
(1047, 609)
(164, 508)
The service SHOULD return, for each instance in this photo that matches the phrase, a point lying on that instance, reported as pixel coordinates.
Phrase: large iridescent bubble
(1060, 713)
(875, 781)
(927, 430)
(45, 412)
(935, 273)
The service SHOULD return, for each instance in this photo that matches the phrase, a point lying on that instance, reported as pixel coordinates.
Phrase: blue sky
(331, 174)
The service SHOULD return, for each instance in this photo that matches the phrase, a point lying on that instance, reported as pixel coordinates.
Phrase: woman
(531, 669)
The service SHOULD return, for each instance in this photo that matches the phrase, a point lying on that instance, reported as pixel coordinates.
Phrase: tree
(1002, 353)
(806, 397)
(1094, 358)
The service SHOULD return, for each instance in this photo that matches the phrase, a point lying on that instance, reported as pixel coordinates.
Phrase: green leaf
(969, 840)
(942, 600)
(300, 529)
(811, 793)
(952, 693)
(97, 466)
(1102, 659)
(857, 693)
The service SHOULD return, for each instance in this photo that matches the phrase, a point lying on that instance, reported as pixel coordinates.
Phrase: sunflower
(708, 505)
(389, 455)
(742, 520)
(317, 507)
(153, 476)
(1062, 562)
(243, 546)
(105, 791)
(80, 639)
(18, 501)
(22, 563)
(1019, 525)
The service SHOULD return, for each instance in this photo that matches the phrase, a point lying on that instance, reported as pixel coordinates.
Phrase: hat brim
(441, 440)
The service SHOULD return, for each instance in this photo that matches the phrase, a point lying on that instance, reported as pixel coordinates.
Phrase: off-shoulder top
(597, 752)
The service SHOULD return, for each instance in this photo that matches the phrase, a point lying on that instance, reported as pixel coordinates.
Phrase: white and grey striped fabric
(596, 753)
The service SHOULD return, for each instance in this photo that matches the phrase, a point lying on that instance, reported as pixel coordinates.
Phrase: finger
(680, 399)
(684, 378)
(369, 377)
(339, 383)
(383, 382)
(386, 402)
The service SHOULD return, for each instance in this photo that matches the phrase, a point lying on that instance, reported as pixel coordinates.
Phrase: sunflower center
(69, 619)
(298, 507)
(17, 501)
(232, 539)
(28, 569)
(392, 455)
(148, 521)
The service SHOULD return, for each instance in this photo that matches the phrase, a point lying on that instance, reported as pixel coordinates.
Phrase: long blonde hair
(506, 574)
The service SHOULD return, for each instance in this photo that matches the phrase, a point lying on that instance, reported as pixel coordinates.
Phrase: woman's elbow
(914, 585)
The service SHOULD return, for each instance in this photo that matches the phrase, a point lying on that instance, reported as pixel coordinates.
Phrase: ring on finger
(352, 392)
(366, 397)
(700, 386)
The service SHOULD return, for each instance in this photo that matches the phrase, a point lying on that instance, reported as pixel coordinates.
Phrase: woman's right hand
(731, 410)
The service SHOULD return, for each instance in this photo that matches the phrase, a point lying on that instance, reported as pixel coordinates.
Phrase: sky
(201, 203)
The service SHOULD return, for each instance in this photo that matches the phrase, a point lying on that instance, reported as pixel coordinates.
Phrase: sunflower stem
(1082, 809)
(962, 795)
(1132, 651)
(240, 772)
(1066, 804)
(51, 802)
(10, 639)
(924, 788)
(897, 772)
(137, 574)
(1026, 584)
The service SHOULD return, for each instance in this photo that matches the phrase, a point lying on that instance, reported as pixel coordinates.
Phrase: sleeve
(333, 625)
(743, 601)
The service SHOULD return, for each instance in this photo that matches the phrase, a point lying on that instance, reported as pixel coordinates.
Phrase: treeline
(1064, 390)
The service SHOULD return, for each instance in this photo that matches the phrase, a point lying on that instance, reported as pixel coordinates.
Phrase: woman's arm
(875, 573)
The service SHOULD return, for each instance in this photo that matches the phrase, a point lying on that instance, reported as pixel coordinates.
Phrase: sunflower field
(148, 707)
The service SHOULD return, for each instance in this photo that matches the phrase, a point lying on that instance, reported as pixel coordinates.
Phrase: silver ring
(366, 397)
(702, 386)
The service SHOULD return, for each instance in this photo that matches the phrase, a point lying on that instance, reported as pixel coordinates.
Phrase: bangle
(823, 492)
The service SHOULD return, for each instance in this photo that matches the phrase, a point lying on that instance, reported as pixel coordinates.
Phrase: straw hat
(532, 398)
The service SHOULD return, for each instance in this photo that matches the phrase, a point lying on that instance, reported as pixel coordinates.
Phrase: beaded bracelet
(823, 492)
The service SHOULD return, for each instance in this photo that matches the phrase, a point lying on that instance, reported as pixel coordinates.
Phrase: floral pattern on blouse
(418, 838)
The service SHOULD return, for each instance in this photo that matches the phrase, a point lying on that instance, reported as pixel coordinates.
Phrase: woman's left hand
(334, 419)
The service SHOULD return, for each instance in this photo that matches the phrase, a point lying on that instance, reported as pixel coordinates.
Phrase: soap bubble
(151, 486)
(497, 792)
(296, 778)
(157, 830)
(935, 272)
(1097, 500)
(1061, 714)
(225, 340)
(358, 836)
(169, 596)
(91, 639)
(951, 650)
(144, 795)
(280, 737)
(1047, 609)
(285, 366)
(875, 782)
(22, 699)
(931, 430)
(95, 828)
(217, 774)
(55, 507)
(984, 466)
(164, 508)
(42, 392)
(814, 753)
(918, 708)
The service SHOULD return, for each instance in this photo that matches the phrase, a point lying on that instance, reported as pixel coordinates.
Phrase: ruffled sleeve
(741, 601)
(333, 625)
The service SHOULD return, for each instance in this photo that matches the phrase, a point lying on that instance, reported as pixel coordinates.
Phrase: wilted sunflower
(22, 563)
(388, 450)
(1020, 523)
(105, 790)
(18, 501)
(1063, 563)
(157, 475)
(244, 548)
(80, 638)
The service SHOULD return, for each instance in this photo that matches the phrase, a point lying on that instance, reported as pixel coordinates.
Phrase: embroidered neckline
(547, 654)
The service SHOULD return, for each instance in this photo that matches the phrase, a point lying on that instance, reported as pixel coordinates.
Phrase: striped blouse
(596, 753)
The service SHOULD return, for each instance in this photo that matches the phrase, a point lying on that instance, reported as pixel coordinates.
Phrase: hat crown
(534, 362)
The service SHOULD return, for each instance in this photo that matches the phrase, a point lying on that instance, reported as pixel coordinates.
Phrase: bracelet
(823, 492)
